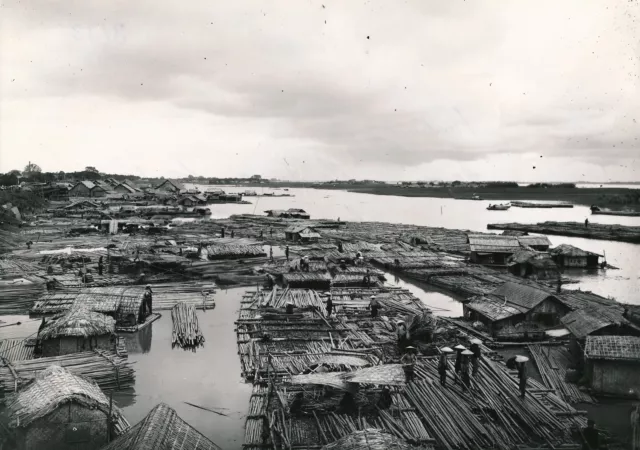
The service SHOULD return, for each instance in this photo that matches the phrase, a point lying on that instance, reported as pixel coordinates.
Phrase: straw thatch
(162, 429)
(57, 386)
(78, 322)
(583, 322)
(387, 374)
(368, 439)
(571, 251)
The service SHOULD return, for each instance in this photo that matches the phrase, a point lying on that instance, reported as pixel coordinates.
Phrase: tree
(61, 175)
(91, 169)
(31, 169)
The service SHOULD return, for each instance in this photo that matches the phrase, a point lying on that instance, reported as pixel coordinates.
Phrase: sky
(527, 90)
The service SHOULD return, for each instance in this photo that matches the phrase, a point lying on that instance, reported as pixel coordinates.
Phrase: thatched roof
(625, 348)
(534, 241)
(368, 439)
(56, 386)
(571, 251)
(162, 429)
(522, 294)
(78, 321)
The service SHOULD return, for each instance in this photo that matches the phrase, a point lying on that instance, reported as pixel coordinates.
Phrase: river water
(471, 215)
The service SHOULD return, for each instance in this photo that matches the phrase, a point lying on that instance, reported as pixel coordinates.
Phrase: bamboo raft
(553, 371)
(111, 371)
(186, 330)
(620, 233)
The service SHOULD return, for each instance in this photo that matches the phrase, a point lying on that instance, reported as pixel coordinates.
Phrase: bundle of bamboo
(108, 369)
(186, 331)
(234, 251)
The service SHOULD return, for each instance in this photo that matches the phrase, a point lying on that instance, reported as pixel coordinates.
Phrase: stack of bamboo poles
(255, 417)
(301, 298)
(490, 414)
(186, 330)
(553, 372)
(234, 251)
(110, 371)
(18, 297)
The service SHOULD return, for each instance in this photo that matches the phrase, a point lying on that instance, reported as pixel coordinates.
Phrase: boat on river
(502, 207)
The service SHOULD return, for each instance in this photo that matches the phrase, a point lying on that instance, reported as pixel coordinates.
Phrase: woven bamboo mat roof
(80, 322)
(54, 387)
(369, 439)
(162, 429)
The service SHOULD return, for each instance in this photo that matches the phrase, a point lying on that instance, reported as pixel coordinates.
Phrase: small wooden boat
(499, 207)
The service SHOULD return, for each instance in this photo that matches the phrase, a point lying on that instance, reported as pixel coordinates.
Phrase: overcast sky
(522, 90)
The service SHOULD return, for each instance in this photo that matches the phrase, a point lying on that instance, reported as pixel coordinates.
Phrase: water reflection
(140, 341)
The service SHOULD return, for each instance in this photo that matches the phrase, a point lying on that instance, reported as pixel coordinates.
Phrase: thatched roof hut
(77, 330)
(61, 410)
(78, 322)
(162, 429)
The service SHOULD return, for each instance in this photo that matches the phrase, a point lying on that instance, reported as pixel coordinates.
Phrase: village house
(539, 243)
(162, 429)
(87, 189)
(123, 188)
(613, 365)
(171, 186)
(569, 256)
(528, 263)
(193, 200)
(514, 303)
(62, 411)
(489, 249)
(77, 330)
(301, 233)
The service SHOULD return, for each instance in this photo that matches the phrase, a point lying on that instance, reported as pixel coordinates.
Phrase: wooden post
(109, 422)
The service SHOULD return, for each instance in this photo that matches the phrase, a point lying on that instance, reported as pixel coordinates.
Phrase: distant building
(124, 188)
(301, 233)
(256, 177)
(527, 263)
(63, 411)
(569, 256)
(539, 243)
(491, 249)
(613, 364)
(171, 186)
(87, 189)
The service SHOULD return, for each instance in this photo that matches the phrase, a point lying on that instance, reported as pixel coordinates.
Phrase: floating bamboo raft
(593, 231)
(186, 330)
(553, 369)
(108, 369)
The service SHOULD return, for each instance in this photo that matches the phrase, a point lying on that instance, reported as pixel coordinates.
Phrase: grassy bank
(613, 198)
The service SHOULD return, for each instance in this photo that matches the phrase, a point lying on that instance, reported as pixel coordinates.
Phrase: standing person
(286, 252)
(232, 234)
(289, 308)
(477, 353)
(590, 436)
(367, 279)
(459, 349)
(340, 247)
(100, 266)
(261, 234)
(408, 361)
(271, 253)
(329, 305)
(586, 223)
(464, 369)
(374, 305)
(385, 400)
(521, 364)
(403, 338)
(271, 231)
(148, 299)
(443, 365)
(222, 232)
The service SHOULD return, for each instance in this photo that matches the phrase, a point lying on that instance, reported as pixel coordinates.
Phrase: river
(471, 215)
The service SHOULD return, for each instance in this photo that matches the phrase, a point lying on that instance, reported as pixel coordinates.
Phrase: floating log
(620, 233)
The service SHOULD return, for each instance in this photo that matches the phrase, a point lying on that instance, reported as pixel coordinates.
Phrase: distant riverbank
(612, 198)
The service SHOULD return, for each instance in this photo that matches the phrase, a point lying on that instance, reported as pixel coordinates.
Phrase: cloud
(367, 88)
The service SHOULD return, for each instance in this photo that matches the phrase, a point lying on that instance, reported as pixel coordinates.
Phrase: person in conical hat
(409, 360)
(403, 335)
(289, 307)
(477, 353)
(464, 369)
(521, 364)
(443, 365)
(459, 349)
(374, 306)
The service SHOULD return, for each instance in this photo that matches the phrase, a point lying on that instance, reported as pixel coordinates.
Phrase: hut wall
(69, 427)
(72, 344)
(568, 261)
(615, 377)
(96, 192)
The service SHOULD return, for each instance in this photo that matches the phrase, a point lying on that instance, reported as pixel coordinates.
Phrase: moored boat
(503, 207)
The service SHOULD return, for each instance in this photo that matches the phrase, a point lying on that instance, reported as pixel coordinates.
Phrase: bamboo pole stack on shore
(186, 330)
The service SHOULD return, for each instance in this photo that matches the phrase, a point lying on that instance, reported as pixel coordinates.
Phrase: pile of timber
(617, 213)
(110, 370)
(620, 233)
(186, 330)
(518, 204)
(552, 368)
(234, 251)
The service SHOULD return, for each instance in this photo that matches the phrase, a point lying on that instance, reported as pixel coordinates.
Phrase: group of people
(467, 362)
